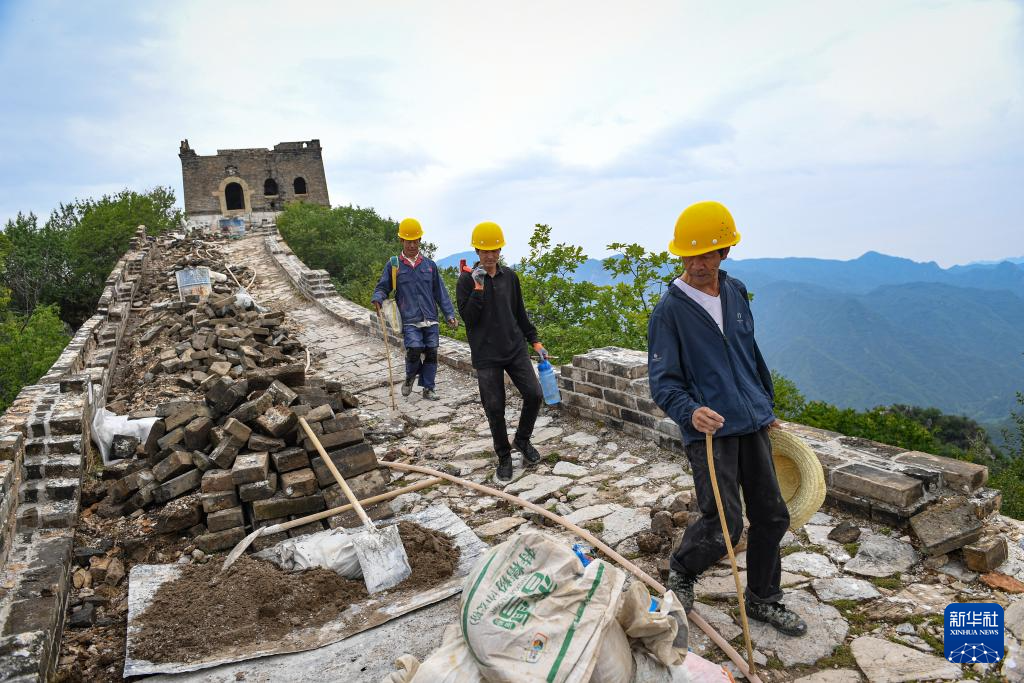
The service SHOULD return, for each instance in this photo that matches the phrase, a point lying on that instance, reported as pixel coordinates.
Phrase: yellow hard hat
(703, 227)
(410, 229)
(488, 236)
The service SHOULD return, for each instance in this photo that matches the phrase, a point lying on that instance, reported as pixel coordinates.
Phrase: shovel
(237, 551)
(380, 552)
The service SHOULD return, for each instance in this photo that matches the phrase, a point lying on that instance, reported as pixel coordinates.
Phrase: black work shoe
(407, 385)
(778, 615)
(430, 395)
(504, 472)
(530, 455)
(681, 584)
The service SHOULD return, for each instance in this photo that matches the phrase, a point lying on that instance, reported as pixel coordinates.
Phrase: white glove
(478, 276)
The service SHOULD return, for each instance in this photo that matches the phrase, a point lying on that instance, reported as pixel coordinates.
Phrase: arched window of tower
(300, 185)
(269, 187)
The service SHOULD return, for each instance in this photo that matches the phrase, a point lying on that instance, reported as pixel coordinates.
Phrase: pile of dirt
(433, 556)
(205, 611)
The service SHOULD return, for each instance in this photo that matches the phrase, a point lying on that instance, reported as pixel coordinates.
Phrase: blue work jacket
(420, 291)
(692, 363)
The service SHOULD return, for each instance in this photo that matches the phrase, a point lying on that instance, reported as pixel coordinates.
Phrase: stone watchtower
(251, 182)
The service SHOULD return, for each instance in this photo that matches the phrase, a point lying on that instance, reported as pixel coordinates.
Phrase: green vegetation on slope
(52, 275)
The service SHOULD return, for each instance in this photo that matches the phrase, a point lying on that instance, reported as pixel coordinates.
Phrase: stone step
(49, 490)
(53, 466)
(51, 445)
(58, 514)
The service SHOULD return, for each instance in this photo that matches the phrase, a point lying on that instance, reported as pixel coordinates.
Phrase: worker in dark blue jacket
(708, 375)
(419, 290)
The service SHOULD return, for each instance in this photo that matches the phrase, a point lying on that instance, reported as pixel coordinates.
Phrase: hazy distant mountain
(928, 344)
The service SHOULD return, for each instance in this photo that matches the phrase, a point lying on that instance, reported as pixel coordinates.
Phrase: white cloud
(821, 121)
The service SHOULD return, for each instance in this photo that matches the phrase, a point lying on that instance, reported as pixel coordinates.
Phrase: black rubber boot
(407, 385)
(681, 584)
(504, 472)
(530, 455)
(778, 615)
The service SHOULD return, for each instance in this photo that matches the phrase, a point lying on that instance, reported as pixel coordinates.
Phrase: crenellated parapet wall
(883, 483)
(44, 447)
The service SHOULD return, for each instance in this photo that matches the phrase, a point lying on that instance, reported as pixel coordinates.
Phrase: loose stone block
(290, 459)
(340, 439)
(172, 438)
(202, 461)
(319, 414)
(366, 485)
(250, 467)
(351, 461)
(250, 410)
(224, 454)
(123, 488)
(277, 421)
(217, 480)
(258, 490)
(197, 433)
(946, 526)
(178, 462)
(220, 540)
(958, 474)
(299, 483)
(340, 422)
(219, 500)
(178, 486)
(259, 442)
(225, 519)
(123, 446)
(986, 554)
(281, 394)
(283, 506)
(870, 482)
(238, 431)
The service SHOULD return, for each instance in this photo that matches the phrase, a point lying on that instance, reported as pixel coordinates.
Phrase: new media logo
(974, 633)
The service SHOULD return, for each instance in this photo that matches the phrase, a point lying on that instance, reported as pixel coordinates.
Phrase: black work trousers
(492, 394)
(741, 463)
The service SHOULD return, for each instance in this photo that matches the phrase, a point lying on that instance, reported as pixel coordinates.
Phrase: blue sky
(829, 128)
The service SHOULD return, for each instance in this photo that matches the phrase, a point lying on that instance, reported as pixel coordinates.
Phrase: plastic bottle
(548, 383)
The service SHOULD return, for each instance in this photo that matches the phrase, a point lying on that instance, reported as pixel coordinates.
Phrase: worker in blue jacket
(708, 375)
(419, 290)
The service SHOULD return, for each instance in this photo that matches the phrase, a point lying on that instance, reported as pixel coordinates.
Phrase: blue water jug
(548, 383)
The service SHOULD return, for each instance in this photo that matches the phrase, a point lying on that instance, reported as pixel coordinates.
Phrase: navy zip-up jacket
(420, 291)
(692, 363)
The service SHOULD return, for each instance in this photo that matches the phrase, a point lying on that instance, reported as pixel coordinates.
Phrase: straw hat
(801, 478)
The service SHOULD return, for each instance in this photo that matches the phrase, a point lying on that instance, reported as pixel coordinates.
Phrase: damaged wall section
(44, 438)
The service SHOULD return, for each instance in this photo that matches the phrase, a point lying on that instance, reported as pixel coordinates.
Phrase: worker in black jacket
(491, 304)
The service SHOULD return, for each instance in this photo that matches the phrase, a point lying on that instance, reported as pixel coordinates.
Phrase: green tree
(789, 402)
(634, 298)
(351, 243)
(98, 232)
(35, 265)
(29, 345)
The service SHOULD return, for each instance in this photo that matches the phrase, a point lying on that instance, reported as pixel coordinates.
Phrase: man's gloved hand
(453, 323)
(478, 276)
(541, 351)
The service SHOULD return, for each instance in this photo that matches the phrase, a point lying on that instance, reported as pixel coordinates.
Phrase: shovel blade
(382, 558)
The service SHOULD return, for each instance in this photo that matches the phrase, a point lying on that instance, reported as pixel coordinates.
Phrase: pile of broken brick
(230, 456)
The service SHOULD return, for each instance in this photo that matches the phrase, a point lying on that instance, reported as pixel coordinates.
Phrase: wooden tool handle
(337, 475)
(709, 447)
(317, 516)
(716, 637)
